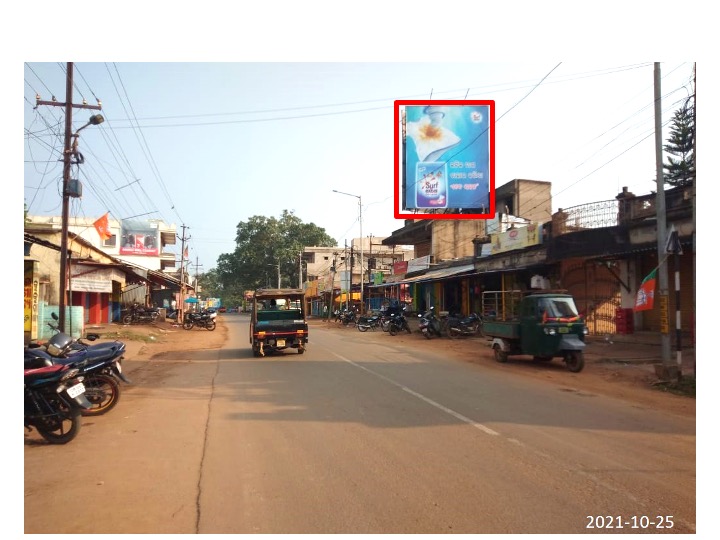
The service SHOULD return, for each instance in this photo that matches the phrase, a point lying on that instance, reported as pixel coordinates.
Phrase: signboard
(400, 267)
(93, 279)
(421, 263)
(345, 280)
(516, 238)
(447, 158)
(139, 238)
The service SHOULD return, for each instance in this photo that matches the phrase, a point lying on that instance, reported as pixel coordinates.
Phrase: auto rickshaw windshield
(559, 308)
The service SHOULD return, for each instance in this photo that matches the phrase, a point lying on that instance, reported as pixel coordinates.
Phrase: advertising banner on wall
(447, 159)
(516, 238)
(400, 267)
(139, 238)
(345, 280)
(421, 263)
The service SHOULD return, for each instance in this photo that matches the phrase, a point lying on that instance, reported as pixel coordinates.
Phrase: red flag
(645, 298)
(186, 253)
(102, 227)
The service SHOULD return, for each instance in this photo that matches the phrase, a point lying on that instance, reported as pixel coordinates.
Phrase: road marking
(426, 399)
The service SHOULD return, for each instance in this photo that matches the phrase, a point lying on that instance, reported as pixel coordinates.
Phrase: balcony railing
(615, 212)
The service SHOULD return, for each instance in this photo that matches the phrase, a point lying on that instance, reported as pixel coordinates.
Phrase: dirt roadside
(620, 369)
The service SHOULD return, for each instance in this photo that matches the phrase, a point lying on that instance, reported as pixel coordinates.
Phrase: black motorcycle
(346, 317)
(464, 326)
(99, 364)
(397, 323)
(429, 324)
(201, 319)
(140, 314)
(368, 323)
(54, 399)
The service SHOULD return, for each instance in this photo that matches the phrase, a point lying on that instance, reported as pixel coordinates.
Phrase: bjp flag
(645, 298)
(102, 227)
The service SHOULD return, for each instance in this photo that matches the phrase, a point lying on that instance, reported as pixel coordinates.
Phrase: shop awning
(435, 275)
(343, 297)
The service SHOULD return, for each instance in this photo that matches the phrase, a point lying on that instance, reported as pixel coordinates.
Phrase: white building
(140, 242)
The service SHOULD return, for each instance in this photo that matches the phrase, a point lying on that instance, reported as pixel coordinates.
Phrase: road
(360, 435)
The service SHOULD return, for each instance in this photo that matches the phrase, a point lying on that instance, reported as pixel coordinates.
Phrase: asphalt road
(360, 435)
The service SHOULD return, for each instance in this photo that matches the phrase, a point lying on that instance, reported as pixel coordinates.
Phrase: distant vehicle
(222, 309)
(278, 321)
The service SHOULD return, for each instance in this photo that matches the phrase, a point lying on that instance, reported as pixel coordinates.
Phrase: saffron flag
(645, 298)
(102, 227)
(186, 253)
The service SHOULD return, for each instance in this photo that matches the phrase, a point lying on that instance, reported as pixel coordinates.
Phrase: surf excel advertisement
(445, 160)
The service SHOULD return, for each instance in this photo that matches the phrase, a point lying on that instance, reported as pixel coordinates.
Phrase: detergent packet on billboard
(431, 184)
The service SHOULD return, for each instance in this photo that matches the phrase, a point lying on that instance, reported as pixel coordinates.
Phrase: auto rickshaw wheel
(575, 361)
(500, 355)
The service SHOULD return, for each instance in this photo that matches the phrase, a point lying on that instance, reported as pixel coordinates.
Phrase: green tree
(679, 171)
(263, 243)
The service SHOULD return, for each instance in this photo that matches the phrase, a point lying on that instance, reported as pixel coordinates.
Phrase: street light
(362, 271)
(69, 152)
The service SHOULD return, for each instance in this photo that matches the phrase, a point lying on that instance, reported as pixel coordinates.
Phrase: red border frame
(398, 158)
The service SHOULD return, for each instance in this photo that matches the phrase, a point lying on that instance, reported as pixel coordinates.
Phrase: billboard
(138, 237)
(444, 162)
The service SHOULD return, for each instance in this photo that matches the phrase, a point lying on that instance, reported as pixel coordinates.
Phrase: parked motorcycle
(429, 324)
(201, 319)
(390, 309)
(397, 323)
(140, 314)
(54, 399)
(99, 364)
(347, 317)
(368, 323)
(385, 322)
(467, 326)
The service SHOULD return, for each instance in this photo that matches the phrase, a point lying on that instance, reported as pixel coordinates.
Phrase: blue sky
(210, 144)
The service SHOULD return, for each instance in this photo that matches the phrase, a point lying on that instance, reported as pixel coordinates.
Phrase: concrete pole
(362, 268)
(65, 199)
(661, 218)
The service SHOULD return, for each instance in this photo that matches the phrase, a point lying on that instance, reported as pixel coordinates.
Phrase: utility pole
(661, 219)
(349, 286)
(67, 155)
(300, 281)
(333, 271)
(197, 271)
(181, 307)
(362, 271)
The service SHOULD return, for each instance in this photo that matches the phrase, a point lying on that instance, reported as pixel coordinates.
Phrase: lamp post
(68, 154)
(362, 270)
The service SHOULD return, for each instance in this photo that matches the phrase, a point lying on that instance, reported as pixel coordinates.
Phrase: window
(110, 242)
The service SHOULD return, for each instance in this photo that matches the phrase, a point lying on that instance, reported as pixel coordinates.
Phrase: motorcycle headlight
(585, 330)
